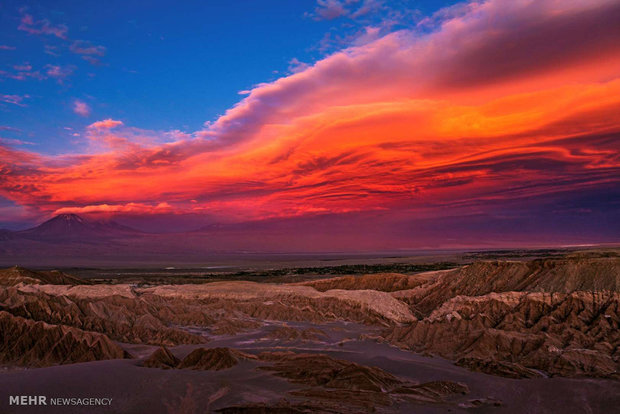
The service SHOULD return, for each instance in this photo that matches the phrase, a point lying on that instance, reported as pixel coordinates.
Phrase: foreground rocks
(335, 385)
(318, 370)
(203, 359)
(328, 384)
(161, 358)
(213, 359)
(28, 343)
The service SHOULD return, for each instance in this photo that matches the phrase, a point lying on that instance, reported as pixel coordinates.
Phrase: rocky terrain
(559, 316)
(567, 334)
(36, 344)
(319, 341)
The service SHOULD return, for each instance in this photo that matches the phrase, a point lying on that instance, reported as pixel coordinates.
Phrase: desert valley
(489, 335)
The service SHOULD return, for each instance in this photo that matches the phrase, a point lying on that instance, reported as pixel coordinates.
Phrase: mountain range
(71, 227)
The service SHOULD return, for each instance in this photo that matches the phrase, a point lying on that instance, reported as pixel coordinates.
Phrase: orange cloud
(131, 208)
(504, 101)
(105, 124)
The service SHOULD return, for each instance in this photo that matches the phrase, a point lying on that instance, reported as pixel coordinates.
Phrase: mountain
(74, 227)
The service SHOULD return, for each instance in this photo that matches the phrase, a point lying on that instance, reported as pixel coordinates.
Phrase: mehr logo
(43, 400)
(27, 400)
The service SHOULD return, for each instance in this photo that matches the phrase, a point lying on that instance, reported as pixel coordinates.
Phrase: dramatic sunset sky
(429, 123)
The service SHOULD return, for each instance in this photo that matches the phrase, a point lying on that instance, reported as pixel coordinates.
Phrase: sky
(440, 123)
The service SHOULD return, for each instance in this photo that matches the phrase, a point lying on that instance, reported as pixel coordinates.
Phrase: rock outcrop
(161, 358)
(334, 382)
(286, 333)
(290, 301)
(24, 342)
(544, 275)
(111, 310)
(200, 359)
(566, 334)
(383, 282)
(213, 359)
(155, 315)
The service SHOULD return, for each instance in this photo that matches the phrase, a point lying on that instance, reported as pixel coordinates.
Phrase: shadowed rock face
(161, 358)
(328, 383)
(544, 275)
(204, 359)
(340, 384)
(36, 344)
(501, 368)
(563, 334)
(213, 359)
(384, 282)
(114, 312)
(286, 333)
(513, 318)
(321, 370)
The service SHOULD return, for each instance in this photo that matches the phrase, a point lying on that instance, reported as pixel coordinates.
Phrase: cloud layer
(501, 102)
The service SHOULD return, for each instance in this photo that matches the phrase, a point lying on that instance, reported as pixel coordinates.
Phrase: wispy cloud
(30, 25)
(9, 128)
(295, 65)
(14, 99)
(128, 208)
(83, 47)
(352, 9)
(59, 72)
(81, 108)
(330, 9)
(14, 141)
(89, 51)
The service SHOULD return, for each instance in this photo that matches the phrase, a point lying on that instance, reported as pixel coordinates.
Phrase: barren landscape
(317, 206)
(509, 335)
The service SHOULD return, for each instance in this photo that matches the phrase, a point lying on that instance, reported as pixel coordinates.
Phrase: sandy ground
(135, 389)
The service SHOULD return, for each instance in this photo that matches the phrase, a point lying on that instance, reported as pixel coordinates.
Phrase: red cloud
(504, 101)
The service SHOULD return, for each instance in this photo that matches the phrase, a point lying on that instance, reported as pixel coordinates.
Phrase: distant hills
(17, 274)
(70, 240)
(71, 227)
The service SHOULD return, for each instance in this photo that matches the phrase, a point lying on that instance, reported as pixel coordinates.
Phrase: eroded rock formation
(28, 343)
(335, 382)
(567, 334)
